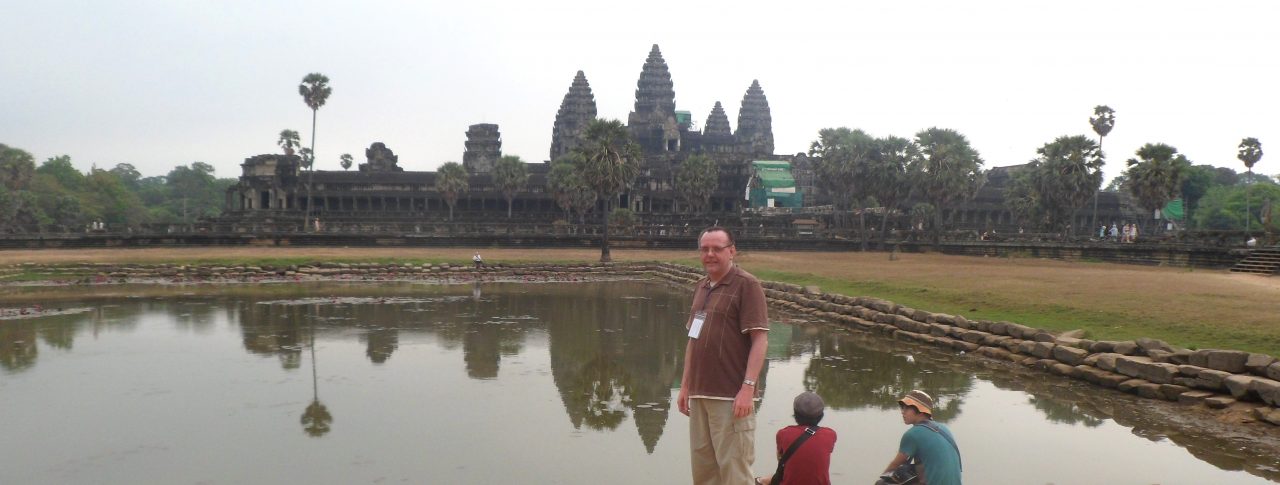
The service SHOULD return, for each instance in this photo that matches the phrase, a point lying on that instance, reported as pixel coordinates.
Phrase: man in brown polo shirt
(728, 335)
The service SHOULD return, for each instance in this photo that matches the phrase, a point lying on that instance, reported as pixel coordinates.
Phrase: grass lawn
(1189, 308)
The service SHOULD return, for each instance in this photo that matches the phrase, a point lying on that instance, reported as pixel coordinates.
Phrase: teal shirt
(941, 461)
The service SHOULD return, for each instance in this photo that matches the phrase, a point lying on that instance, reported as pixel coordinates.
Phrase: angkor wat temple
(274, 187)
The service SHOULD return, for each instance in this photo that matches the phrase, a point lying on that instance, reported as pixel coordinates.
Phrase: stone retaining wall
(1147, 367)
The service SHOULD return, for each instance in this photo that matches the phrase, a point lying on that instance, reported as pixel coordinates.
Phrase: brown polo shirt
(718, 357)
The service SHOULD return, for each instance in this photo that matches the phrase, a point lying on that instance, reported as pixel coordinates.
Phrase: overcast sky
(163, 83)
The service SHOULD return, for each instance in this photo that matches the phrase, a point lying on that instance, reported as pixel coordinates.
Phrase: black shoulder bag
(907, 473)
(795, 445)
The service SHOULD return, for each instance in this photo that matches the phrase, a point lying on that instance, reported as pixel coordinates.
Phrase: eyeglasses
(713, 249)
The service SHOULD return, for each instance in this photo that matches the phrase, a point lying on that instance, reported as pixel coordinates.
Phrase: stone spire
(654, 91)
(717, 123)
(755, 124)
(484, 148)
(653, 123)
(576, 111)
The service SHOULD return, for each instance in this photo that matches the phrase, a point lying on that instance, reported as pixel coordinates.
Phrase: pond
(510, 383)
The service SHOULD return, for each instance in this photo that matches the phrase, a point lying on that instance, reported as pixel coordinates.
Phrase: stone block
(1266, 389)
(1194, 397)
(938, 329)
(944, 319)
(973, 336)
(1043, 336)
(1189, 370)
(1187, 381)
(1273, 371)
(994, 352)
(1199, 358)
(1112, 380)
(1125, 348)
(1026, 346)
(1062, 369)
(1029, 361)
(1149, 344)
(980, 325)
(1085, 344)
(1129, 365)
(1103, 346)
(1069, 355)
(999, 328)
(1180, 357)
(1240, 386)
(1072, 341)
(1043, 350)
(1232, 361)
(1257, 363)
(1170, 392)
(1212, 379)
(1219, 402)
(1158, 355)
(1107, 361)
(1269, 415)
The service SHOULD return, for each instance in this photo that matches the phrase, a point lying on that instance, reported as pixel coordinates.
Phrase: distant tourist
(927, 444)
(1133, 234)
(478, 260)
(1102, 232)
(807, 461)
(1115, 234)
(728, 335)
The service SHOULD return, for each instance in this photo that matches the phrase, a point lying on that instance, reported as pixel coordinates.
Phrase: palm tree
(696, 180)
(846, 156)
(887, 178)
(510, 175)
(316, 418)
(1155, 176)
(345, 160)
(451, 180)
(947, 170)
(1103, 120)
(1250, 152)
(609, 161)
(1057, 183)
(288, 141)
(315, 91)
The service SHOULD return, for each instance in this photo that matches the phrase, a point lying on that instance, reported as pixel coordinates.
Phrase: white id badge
(695, 327)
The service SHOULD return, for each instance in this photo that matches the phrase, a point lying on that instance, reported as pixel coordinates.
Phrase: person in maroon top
(811, 462)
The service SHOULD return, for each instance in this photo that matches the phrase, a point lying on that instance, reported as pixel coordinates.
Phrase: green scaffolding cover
(1173, 211)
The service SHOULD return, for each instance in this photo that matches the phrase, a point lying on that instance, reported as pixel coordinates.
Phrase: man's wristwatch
(749, 382)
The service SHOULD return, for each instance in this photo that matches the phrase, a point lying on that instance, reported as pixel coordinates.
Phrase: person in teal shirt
(929, 443)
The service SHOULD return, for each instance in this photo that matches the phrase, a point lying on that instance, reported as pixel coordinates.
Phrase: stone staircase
(1261, 261)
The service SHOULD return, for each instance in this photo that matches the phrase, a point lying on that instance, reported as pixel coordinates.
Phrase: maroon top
(718, 357)
(811, 464)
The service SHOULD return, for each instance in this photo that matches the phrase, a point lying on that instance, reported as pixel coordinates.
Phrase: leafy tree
(1199, 179)
(17, 167)
(289, 141)
(451, 181)
(561, 181)
(345, 160)
(1250, 152)
(1103, 120)
(308, 158)
(194, 191)
(948, 170)
(128, 174)
(108, 199)
(510, 175)
(315, 90)
(609, 161)
(1156, 175)
(1222, 206)
(696, 180)
(887, 177)
(922, 214)
(60, 169)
